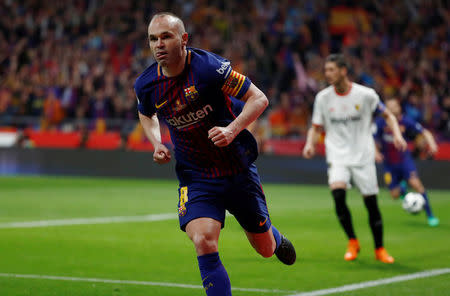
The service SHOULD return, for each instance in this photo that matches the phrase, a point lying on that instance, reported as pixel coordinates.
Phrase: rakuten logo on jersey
(190, 118)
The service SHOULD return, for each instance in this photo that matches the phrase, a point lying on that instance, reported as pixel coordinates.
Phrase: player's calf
(264, 243)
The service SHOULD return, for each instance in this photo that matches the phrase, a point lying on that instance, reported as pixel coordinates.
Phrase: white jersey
(347, 122)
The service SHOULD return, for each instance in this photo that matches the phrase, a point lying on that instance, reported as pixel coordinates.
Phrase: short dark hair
(338, 59)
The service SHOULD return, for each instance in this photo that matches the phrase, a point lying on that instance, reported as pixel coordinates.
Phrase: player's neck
(343, 87)
(175, 69)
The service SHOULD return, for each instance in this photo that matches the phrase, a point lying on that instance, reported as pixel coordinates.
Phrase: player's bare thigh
(204, 233)
(338, 185)
(264, 243)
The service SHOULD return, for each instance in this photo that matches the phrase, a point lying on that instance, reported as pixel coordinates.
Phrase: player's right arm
(161, 154)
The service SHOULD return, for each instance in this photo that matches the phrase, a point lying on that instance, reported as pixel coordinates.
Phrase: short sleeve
(317, 117)
(412, 126)
(236, 85)
(220, 73)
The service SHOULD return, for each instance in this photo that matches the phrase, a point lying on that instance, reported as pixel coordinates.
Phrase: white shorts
(364, 177)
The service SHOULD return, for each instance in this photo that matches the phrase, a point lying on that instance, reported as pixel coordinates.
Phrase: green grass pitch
(158, 251)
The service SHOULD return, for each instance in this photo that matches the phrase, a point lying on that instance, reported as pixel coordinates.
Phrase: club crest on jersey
(182, 211)
(191, 93)
(357, 107)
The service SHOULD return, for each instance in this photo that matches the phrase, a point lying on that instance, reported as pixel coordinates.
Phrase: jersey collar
(346, 93)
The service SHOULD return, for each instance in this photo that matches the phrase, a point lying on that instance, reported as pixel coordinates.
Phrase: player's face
(334, 74)
(166, 41)
(394, 107)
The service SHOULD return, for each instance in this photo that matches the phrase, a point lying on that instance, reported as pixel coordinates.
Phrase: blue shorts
(241, 195)
(395, 173)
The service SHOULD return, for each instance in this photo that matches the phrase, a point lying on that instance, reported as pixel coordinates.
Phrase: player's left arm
(391, 121)
(255, 104)
(430, 141)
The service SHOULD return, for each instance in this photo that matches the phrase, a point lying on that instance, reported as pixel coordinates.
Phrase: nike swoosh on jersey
(160, 105)
(261, 223)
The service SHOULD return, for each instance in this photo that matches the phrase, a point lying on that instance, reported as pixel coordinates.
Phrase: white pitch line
(83, 221)
(395, 279)
(125, 282)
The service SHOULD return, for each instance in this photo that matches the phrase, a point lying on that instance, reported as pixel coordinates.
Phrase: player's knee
(204, 243)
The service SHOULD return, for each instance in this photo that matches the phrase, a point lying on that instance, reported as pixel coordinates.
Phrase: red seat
(138, 145)
(54, 139)
(103, 141)
(443, 151)
(290, 147)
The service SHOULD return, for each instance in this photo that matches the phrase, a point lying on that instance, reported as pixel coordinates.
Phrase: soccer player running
(196, 93)
(345, 110)
(399, 166)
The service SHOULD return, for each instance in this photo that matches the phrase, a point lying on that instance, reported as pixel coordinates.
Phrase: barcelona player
(399, 166)
(207, 106)
(345, 110)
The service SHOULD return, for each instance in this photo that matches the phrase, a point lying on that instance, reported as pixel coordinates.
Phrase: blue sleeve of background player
(412, 126)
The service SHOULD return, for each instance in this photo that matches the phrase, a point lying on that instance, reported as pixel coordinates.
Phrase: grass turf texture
(159, 252)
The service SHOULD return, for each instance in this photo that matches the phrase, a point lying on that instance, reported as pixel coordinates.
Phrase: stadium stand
(70, 66)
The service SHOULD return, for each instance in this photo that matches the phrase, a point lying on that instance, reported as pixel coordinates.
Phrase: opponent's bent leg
(204, 233)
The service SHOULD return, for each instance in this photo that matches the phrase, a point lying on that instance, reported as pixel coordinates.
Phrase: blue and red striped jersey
(204, 95)
(383, 135)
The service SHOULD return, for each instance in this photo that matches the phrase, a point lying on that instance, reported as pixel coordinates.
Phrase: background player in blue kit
(399, 165)
(196, 94)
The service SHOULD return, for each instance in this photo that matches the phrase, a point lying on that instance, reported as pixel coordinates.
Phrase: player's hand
(309, 151)
(161, 154)
(379, 157)
(221, 136)
(400, 143)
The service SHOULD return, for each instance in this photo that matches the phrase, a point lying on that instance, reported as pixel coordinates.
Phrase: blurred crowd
(72, 63)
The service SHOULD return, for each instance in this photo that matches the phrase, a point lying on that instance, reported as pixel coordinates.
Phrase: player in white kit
(345, 111)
